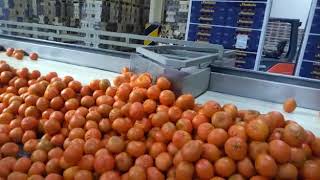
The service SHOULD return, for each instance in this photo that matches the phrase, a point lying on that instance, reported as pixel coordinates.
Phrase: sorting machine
(191, 67)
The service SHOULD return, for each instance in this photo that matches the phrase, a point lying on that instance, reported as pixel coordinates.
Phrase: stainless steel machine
(187, 67)
(247, 89)
(198, 75)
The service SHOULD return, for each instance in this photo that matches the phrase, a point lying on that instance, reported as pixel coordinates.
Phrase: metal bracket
(177, 57)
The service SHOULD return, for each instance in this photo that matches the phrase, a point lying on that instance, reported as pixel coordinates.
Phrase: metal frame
(156, 13)
(181, 57)
(231, 27)
(238, 82)
(188, 20)
(306, 37)
(116, 39)
(108, 60)
(263, 34)
(248, 1)
(267, 87)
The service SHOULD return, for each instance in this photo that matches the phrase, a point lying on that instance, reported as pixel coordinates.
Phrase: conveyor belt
(308, 118)
(83, 74)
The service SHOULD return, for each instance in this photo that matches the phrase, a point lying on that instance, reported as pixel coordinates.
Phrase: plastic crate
(232, 15)
(219, 15)
(228, 44)
(257, 0)
(311, 55)
(195, 7)
(205, 19)
(196, 4)
(214, 15)
(248, 22)
(227, 14)
(253, 43)
(310, 70)
(254, 22)
(215, 40)
(216, 35)
(9, 4)
(193, 30)
(315, 27)
(245, 61)
(227, 19)
(5, 13)
(228, 38)
(208, 4)
(223, 35)
(219, 19)
(214, 20)
(253, 38)
(313, 47)
(203, 38)
(203, 35)
(258, 21)
(225, 62)
(255, 15)
(19, 19)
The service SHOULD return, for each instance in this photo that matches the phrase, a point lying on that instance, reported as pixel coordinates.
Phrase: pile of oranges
(56, 128)
(19, 54)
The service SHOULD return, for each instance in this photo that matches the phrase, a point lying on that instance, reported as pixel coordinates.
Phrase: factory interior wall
(293, 9)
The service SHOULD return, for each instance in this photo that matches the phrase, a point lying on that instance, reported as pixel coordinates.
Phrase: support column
(156, 11)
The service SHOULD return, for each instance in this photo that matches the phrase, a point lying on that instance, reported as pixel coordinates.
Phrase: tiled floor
(308, 118)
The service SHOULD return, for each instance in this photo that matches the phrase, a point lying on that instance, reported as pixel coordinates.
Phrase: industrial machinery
(104, 109)
(232, 81)
(247, 88)
(279, 61)
(187, 67)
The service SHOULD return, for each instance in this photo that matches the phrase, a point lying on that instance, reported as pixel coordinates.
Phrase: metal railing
(88, 37)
